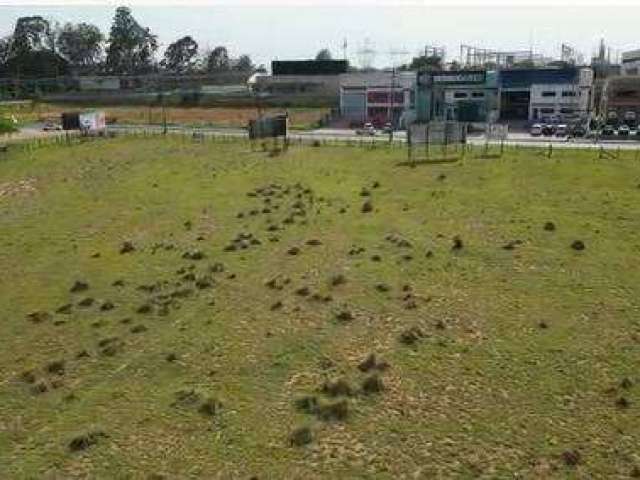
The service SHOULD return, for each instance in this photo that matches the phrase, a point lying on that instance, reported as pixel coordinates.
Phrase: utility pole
(391, 117)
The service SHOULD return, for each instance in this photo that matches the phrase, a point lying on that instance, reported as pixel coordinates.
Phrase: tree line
(36, 48)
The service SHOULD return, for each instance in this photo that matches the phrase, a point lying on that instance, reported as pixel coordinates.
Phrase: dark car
(548, 130)
(577, 131)
(608, 130)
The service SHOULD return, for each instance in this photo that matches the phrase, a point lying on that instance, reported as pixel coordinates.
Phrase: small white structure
(92, 121)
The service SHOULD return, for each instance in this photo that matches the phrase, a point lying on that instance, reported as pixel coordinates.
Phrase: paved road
(520, 139)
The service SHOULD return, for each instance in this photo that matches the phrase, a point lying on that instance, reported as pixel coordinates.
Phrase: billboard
(269, 127)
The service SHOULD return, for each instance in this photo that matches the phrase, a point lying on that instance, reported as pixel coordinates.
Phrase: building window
(566, 110)
(547, 111)
(477, 94)
(568, 93)
(460, 95)
(548, 94)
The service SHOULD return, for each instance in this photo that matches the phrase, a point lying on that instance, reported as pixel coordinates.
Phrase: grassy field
(172, 309)
(300, 118)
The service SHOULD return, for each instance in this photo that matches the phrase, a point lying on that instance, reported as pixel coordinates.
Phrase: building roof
(382, 79)
(309, 67)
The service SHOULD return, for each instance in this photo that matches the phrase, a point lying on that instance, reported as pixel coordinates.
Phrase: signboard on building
(452, 77)
(269, 127)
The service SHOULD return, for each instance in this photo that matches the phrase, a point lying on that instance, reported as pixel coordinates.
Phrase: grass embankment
(500, 349)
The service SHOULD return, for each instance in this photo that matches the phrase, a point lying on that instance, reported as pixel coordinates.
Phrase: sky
(297, 29)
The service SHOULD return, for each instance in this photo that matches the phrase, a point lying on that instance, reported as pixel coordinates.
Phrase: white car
(367, 129)
(561, 130)
(51, 126)
(536, 130)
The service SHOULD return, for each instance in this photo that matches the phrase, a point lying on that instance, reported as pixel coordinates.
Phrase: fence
(435, 141)
(438, 153)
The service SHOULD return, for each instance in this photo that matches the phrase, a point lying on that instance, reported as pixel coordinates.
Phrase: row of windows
(466, 95)
(551, 111)
(565, 93)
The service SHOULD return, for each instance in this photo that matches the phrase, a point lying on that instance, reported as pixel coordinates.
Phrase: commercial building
(538, 93)
(301, 80)
(631, 63)
(377, 97)
(462, 95)
(621, 100)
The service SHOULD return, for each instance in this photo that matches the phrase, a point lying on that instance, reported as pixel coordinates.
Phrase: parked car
(623, 130)
(607, 130)
(548, 130)
(561, 130)
(578, 131)
(536, 130)
(388, 128)
(367, 129)
(51, 126)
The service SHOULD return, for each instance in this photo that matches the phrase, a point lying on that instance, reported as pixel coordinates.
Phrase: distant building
(462, 95)
(621, 100)
(316, 80)
(309, 67)
(631, 63)
(99, 83)
(377, 97)
(538, 93)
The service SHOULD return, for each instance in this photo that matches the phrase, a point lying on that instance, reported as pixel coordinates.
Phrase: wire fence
(436, 153)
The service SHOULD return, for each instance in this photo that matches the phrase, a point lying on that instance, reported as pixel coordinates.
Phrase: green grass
(485, 393)
(6, 126)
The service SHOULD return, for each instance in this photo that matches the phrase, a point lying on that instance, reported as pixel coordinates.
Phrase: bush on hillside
(7, 125)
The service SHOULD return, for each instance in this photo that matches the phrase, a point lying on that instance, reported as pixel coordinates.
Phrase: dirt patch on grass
(21, 187)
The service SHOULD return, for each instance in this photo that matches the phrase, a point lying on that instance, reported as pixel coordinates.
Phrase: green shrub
(7, 126)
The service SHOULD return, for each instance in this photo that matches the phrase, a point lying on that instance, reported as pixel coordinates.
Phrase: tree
(180, 56)
(31, 34)
(323, 54)
(218, 60)
(5, 49)
(30, 51)
(131, 46)
(454, 65)
(430, 63)
(81, 44)
(244, 64)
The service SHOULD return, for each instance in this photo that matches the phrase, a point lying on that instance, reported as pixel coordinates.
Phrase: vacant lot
(300, 118)
(180, 310)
